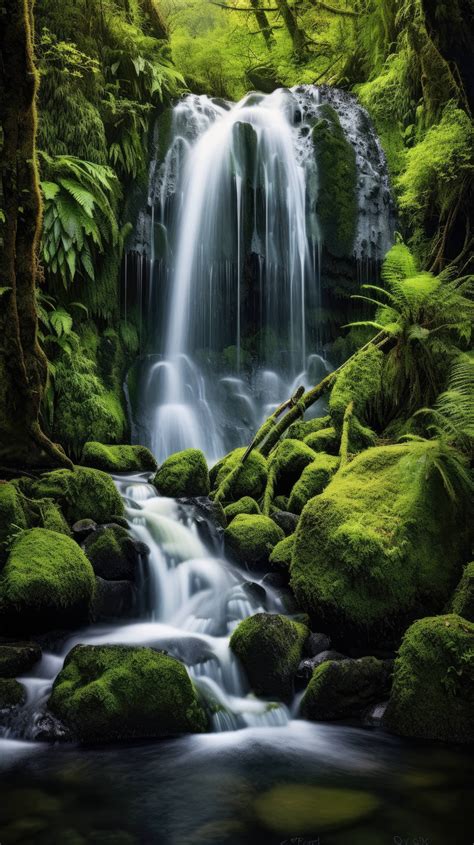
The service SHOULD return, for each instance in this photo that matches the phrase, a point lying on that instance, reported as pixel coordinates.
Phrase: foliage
(452, 415)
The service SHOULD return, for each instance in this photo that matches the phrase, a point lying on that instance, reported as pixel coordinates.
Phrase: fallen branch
(346, 425)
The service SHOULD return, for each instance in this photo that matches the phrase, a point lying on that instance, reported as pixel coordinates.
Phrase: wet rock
(113, 599)
(373, 718)
(346, 688)
(16, 658)
(255, 591)
(49, 729)
(274, 580)
(12, 693)
(316, 643)
(114, 555)
(286, 521)
(82, 529)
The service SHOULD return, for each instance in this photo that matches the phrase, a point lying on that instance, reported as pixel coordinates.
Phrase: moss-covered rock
(269, 647)
(302, 428)
(251, 537)
(462, 601)
(12, 693)
(183, 474)
(325, 440)
(314, 478)
(288, 462)
(112, 692)
(47, 582)
(359, 382)
(282, 810)
(337, 176)
(18, 658)
(13, 516)
(112, 553)
(379, 546)
(82, 493)
(340, 689)
(280, 557)
(251, 479)
(433, 684)
(244, 505)
(118, 458)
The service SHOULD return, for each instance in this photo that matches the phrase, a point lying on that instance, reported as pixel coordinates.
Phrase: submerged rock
(433, 684)
(462, 601)
(16, 658)
(270, 647)
(183, 474)
(81, 493)
(345, 688)
(112, 692)
(47, 582)
(118, 458)
(250, 539)
(308, 809)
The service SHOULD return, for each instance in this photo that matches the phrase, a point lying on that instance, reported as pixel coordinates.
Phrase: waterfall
(232, 237)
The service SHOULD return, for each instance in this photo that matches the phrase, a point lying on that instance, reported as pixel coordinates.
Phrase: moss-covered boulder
(433, 684)
(302, 428)
(118, 458)
(16, 658)
(379, 546)
(314, 478)
(281, 555)
(112, 553)
(47, 582)
(244, 505)
(462, 601)
(340, 689)
(250, 538)
(251, 478)
(359, 381)
(13, 515)
(82, 493)
(269, 647)
(324, 440)
(113, 692)
(288, 462)
(183, 474)
(12, 693)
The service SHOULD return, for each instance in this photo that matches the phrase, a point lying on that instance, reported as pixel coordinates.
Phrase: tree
(23, 366)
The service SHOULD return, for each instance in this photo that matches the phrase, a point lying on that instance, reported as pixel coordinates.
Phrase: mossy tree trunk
(23, 366)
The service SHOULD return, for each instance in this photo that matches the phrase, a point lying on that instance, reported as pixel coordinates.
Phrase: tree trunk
(263, 24)
(23, 366)
(296, 34)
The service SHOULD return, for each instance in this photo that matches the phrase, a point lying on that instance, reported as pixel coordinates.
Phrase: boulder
(244, 505)
(285, 520)
(112, 600)
(309, 664)
(250, 538)
(316, 643)
(183, 474)
(112, 553)
(47, 582)
(345, 688)
(83, 528)
(288, 462)
(381, 545)
(113, 692)
(462, 601)
(81, 493)
(302, 428)
(314, 478)
(118, 458)
(251, 478)
(13, 515)
(433, 683)
(12, 693)
(280, 558)
(16, 658)
(324, 440)
(269, 647)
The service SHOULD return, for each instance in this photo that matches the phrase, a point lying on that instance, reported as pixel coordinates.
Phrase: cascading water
(232, 249)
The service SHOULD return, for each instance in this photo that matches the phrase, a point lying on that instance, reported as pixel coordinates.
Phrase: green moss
(118, 458)
(300, 429)
(280, 557)
(244, 505)
(280, 503)
(183, 474)
(462, 601)
(112, 553)
(12, 693)
(380, 546)
(359, 382)
(270, 648)
(82, 493)
(252, 476)
(287, 463)
(47, 581)
(52, 517)
(314, 478)
(13, 515)
(106, 693)
(325, 440)
(433, 685)
(337, 176)
(340, 689)
(306, 809)
(250, 538)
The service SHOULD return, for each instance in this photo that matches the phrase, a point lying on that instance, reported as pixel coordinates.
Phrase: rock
(12, 693)
(275, 580)
(16, 658)
(380, 545)
(340, 689)
(309, 809)
(374, 716)
(314, 478)
(251, 479)
(324, 440)
(316, 643)
(113, 600)
(111, 692)
(255, 591)
(433, 683)
(244, 505)
(183, 474)
(302, 428)
(81, 493)
(209, 518)
(118, 458)
(288, 462)
(250, 538)
(47, 582)
(462, 601)
(286, 521)
(280, 558)
(309, 664)
(13, 512)
(83, 528)
(213, 511)
(358, 382)
(269, 647)
(113, 553)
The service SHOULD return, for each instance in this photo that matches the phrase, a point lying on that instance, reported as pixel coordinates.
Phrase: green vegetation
(280, 557)
(244, 505)
(82, 493)
(432, 695)
(270, 648)
(340, 689)
(12, 693)
(250, 480)
(462, 601)
(306, 808)
(314, 478)
(118, 458)
(107, 693)
(183, 474)
(250, 538)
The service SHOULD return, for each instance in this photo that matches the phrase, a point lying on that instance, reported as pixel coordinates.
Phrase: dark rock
(254, 591)
(316, 643)
(274, 580)
(118, 520)
(113, 599)
(83, 528)
(286, 521)
(18, 658)
(342, 689)
(49, 729)
(12, 693)
(330, 654)
(373, 718)
(113, 553)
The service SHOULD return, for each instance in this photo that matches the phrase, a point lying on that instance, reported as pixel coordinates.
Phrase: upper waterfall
(247, 201)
